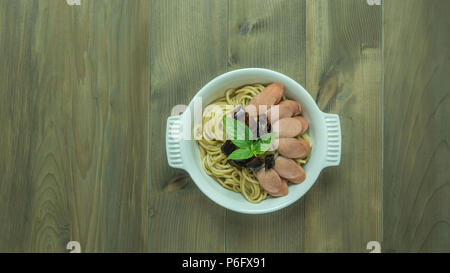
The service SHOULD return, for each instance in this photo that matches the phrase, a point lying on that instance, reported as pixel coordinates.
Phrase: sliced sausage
(293, 148)
(269, 180)
(269, 96)
(284, 111)
(287, 127)
(299, 179)
(284, 190)
(304, 122)
(289, 169)
(295, 106)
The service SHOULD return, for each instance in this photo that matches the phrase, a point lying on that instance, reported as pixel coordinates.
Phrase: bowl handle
(333, 156)
(173, 141)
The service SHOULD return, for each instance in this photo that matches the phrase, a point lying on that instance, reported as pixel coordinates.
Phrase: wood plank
(416, 133)
(344, 65)
(270, 35)
(188, 50)
(74, 104)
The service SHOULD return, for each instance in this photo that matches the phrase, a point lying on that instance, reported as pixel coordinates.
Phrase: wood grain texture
(74, 102)
(188, 50)
(85, 92)
(270, 35)
(417, 128)
(344, 75)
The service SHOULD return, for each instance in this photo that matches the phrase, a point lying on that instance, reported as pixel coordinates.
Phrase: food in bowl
(183, 152)
(255, 141)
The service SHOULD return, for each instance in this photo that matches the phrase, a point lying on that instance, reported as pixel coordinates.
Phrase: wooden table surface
(85, 92)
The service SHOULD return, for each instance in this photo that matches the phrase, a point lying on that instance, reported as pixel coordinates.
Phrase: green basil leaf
(253, 147)
(264, 143)
(236, 130)
(242, 143)
(241, 154)
(268, 138)
(258, 149)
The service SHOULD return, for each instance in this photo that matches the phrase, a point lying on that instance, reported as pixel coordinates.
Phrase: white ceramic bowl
(324, 130)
